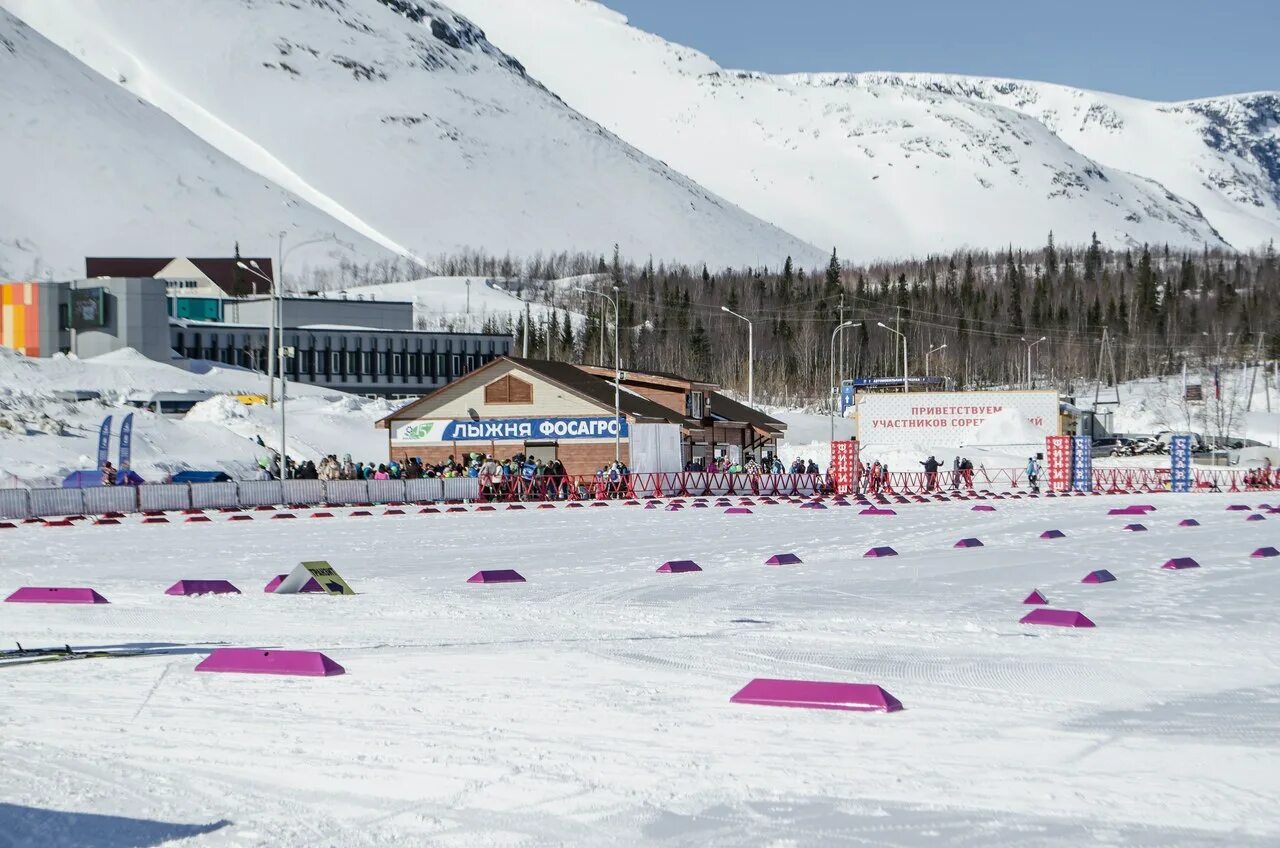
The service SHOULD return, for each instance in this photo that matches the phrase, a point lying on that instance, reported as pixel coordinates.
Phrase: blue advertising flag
(104, 441)
(1180, 463)
(1082, 463)
(126, 442)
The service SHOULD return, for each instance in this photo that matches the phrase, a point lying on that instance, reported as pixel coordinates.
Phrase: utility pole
(897, 322)
(1105, 358)
(1253, 375)
(525, 349)
(751, 356)
(832, 398)
(468, 298)
(840, 374)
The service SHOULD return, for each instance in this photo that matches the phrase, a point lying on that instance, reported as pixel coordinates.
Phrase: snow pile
(920, 152)
(42, 438)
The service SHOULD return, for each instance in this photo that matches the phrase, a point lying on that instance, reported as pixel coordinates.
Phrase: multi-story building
(361, 346)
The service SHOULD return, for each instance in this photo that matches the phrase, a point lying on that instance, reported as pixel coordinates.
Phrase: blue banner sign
(104, 441)
(1082, 463)
(513, 430)
(846, 396)
(126, 442)
(1180, 463)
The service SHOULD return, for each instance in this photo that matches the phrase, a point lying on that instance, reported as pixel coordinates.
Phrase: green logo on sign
(417, 432)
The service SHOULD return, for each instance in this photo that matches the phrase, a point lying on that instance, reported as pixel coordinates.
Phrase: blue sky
(1157, 49)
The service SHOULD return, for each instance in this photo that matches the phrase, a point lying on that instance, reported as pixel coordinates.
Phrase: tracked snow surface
(590, 705)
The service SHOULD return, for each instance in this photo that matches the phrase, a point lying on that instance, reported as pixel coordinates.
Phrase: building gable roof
(222, 271)
(725, 407)
(567, 376)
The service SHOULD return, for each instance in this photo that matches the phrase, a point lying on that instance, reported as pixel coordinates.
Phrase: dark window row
(341, 365)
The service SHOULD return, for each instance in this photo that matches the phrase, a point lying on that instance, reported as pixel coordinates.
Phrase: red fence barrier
(704, 484)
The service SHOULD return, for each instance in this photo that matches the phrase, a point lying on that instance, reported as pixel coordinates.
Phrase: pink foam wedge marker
(783, 559)
(309, 587)
(1056, 618)
(817, 695)
(1036, 597)
(678, 566)
(46, 595)
(1180, 562)
(202, 587)
(258, 661)
(503, 575)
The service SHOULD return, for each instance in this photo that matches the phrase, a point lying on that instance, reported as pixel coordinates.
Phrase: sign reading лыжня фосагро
(954, 419)
(600, 428)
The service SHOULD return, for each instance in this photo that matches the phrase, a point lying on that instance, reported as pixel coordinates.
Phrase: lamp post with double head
(751, 356)
(902, 336)
(276, 353)
(931, 353)
(1030, 345)
(617, 372)
(831, 374)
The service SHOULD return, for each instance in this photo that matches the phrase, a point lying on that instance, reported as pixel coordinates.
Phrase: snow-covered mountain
(88, 168)
(399, 120)
(894, 164)
(1221, 153)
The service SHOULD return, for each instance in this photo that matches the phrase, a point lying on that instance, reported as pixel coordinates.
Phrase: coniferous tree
(1145, 295)
(833, 274)
(699, 350)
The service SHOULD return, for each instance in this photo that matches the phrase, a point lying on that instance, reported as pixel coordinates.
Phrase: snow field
(590, 705)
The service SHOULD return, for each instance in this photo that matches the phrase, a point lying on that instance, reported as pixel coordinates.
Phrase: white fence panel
(461, 488)
(214, 495)
(15, 503)
(424, 489)
(346, 491)
(261, 493)
(57, 501)
(384, 491)
(307, 492)
(169, 497)
(111, 499)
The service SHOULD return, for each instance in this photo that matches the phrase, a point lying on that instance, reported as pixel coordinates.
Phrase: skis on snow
(27, 656)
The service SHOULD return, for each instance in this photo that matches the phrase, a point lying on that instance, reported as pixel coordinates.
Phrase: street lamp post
(617, 373)
(928, 354)
(902, 336)
(831, 409)
(276, 354)
(751, 356)
(1030, 345)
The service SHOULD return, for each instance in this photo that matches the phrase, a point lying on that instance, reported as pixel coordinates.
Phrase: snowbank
(42, 438)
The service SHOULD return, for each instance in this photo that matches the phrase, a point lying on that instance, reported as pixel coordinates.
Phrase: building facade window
(695, 405)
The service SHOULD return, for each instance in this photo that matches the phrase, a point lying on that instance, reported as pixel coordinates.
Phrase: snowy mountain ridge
(420, 127)
(397, 120)
(885, 164)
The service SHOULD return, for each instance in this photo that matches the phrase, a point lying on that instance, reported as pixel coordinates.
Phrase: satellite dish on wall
(475, 416)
